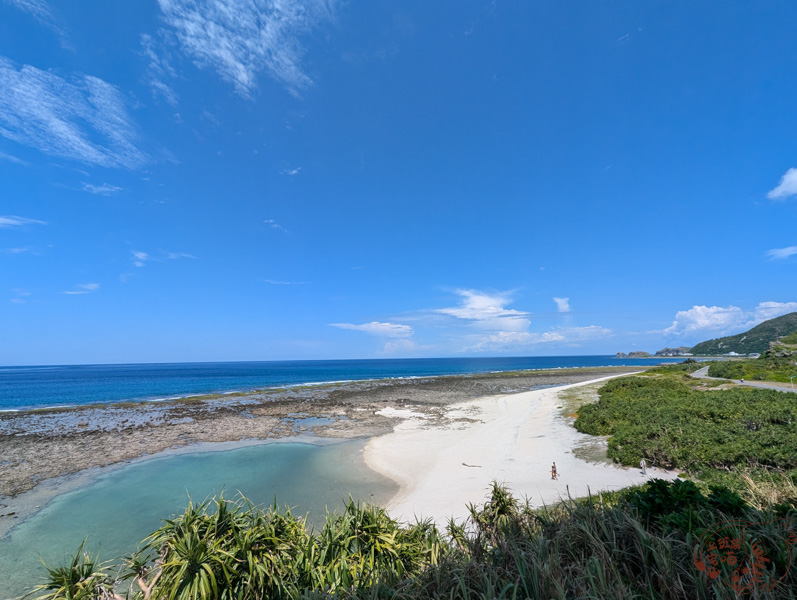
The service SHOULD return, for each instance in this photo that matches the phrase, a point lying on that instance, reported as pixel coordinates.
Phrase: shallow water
(122, 507)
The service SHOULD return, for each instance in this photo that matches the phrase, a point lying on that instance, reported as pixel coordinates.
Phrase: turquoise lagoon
(121, 507)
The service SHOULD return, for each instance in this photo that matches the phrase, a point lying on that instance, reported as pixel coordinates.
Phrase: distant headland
(752, 343)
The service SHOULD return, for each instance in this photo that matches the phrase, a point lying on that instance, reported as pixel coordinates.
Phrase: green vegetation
(690, 365)
(754, 341)
(234, 550)
(636, 543)
(789, 339)
(779, 363)
(760, 369)
(671, 424)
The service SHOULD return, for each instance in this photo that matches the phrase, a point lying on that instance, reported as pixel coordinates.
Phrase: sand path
(512, 439)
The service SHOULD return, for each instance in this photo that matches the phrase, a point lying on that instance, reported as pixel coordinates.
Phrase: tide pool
(121, 507)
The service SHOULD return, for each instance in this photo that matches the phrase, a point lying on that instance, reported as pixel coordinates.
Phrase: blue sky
(263, 180)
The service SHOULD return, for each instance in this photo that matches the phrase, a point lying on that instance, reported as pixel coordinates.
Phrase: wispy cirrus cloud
(159, 70)
(84, 119)
(787, 186)
(20, 296)
(376, 328)
(140, 258)
(13, 159)
(31, 250)
(83, 288)
(722, 320)
(781, 253)
(239, 39)
(397, 337)
(13, 221)
(42, 12)
(105, 189)
(291, 172)
(177, 255)
(279, 282)
(275, 226)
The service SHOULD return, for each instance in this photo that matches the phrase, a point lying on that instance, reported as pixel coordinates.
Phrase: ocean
(113, 510)
(74, 385)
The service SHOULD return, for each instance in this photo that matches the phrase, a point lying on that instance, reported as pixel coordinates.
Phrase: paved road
(703, 374)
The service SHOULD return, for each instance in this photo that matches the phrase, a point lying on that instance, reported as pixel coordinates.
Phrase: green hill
(755, 340)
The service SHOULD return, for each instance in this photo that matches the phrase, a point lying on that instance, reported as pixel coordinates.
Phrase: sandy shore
(40, 445)
(514, 439)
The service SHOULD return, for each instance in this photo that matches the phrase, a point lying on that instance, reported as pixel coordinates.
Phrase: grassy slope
(755, 340)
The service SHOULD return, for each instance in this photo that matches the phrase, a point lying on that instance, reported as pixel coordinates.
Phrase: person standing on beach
(643, 465)
(553, 471)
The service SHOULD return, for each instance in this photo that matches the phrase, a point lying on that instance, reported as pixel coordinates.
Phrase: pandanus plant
(84, 578)
(223, 550)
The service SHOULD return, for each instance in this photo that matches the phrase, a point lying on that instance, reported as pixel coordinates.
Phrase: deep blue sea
(73, 385)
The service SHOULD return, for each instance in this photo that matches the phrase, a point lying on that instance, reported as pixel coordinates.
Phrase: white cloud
(241, 38)
(769, 310)
(12, 159)
(83, 288)
(778, 253)
(12, 221)
(158, 71)
(276, 226)
(787, 186)
(397, 346)
(507, 340)
(276, 282)
(84, 120)
(177, 255)
(140, 258)
(562, 304)
(106, 189)
(722, 320)
(487, 311)
(706, 318)
(393, 330)
(37, 8)
(506, 328)
(20, 296)
(41, 11)
(291, 172)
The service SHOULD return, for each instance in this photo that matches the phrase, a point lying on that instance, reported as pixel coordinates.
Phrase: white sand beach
(513, 439)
